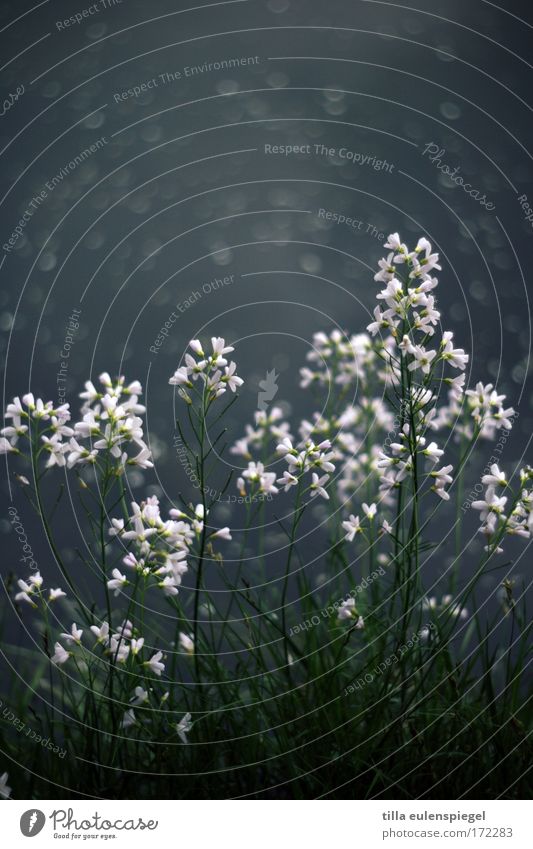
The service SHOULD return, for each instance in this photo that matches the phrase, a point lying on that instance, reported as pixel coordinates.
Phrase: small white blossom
(140, 696)
(222, 533)
(317, 485)
(117, 582)
(183, 727)
(186, 643)
(352, 526)
(154, 664)
(60, 655)
(128, 719)
(74, 636)
(495, 478)
(101, 633)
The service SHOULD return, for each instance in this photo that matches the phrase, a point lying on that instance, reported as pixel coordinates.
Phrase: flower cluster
(410, 320)
(473, 413)
(486, 409)
(353, 525)
(447, 605)
(110, 422)
(338, 359)
(411, 315)
(259, 481)
(33, 593)
(306, 457)
(348, 612)
(159, 547)
(505, 515)
(209, 369)
(31, 417)
(119, 646)
(268, 427)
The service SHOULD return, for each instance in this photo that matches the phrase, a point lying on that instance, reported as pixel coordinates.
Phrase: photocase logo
(269, 390)
(32, 822)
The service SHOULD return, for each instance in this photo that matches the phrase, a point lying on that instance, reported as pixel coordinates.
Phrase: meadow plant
(158, 690)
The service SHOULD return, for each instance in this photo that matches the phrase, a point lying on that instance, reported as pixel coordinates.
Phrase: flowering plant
(157, 663)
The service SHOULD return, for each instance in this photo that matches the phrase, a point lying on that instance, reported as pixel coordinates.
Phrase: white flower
(56, 449)
(125, 630)
(222, 533)
(347, 610)
(455, 356)
(383, 321)
(136, 645)
(265, 480)
(27, 590)
(140, 696)
(196, 369)
(241, 447)
(317, 486)
(117, 582)
(78, 455)
(232, 380)
(89, 426)
(442, 476)
(186, 643)
(220, 348)
(391, 293)
(492, 505)
(118, 649)
(287, 481)
(15, 411)
(60, 655)
(183, 727)
(91, 394)
(102, 633)
(5, 446)
(387, 269)
(196, 347)
(142, 459)
(154, 664)
(180, 377)
(128, 719)
(53, 595)
(456, 385)
(207, 369)
(169, 585)
(496, 477)
(394, 243)
(422, 359)
(285, 447)
(370, 511)
(423, 245)
(352, 526)
(74, 636)
(308, 377)
(117, 527)
(433, 452)
(321, 460)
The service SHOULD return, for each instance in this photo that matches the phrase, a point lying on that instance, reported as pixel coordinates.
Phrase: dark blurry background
(179, 192)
